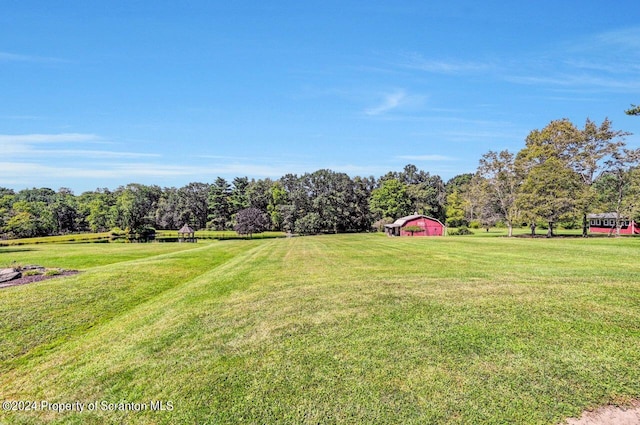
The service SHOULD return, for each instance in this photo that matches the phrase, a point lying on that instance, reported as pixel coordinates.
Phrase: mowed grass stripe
(366, 329)
(84, 256)
(133, 337)
(44, 314)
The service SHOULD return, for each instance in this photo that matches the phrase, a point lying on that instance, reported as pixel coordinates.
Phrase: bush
(462, 231)
(147, 232)
(541, 224)
(453, 222)
(116, 231)
(378, 226)
(571, 223)
(475, 224)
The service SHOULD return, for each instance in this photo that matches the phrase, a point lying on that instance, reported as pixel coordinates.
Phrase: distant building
(606, 223)
(415, 225)
(187, 234)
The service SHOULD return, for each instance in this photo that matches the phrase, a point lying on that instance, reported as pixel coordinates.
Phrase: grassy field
(161, 236)
(327, 329)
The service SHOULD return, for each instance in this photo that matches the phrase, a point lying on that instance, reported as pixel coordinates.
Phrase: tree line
(562, 174)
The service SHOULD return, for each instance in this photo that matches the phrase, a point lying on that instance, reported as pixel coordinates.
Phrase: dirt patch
(36, 278)
(610, 415)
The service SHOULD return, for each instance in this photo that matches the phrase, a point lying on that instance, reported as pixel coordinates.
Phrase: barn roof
(186, 229)
(403, 220)
(604, 215)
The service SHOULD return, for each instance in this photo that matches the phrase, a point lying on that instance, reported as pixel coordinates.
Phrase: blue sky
(104, 93)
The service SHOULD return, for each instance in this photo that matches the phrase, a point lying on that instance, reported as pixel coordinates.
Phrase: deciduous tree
(549, 191)
(619, 188)
(500, 184)
(193, 205)
(589, 156)
(250, 221)
(390, 200)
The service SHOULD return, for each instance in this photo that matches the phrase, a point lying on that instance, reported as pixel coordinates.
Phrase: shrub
(462, 231)
(413, 229)
(116, 231)
(378, 226)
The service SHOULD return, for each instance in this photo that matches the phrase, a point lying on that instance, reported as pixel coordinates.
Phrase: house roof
(403, 220)
(604, 215)
(186, 229)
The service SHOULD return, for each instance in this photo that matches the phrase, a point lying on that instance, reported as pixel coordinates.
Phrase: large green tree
(426, 192)
(590, 156)
(169, 214)
(499, 186)
(99, 209)
(583, 152)
(390, 200)
(549, 192)
(619, 189)
(136, 206)
(455, 210)
(64, 209)
(360, 217)
(238, 198)
(194, 204)
(30, 219)
(218, 205)
(277, 200)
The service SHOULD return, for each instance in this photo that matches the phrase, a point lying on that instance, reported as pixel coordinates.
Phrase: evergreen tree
(219, 208)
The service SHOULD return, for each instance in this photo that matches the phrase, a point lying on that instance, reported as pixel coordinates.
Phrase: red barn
(606, 223)
(408, 226)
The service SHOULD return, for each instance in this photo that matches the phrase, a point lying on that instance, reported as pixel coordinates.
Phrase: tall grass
(332, 329)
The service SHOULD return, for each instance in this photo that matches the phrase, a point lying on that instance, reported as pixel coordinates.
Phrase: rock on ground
(9, 274)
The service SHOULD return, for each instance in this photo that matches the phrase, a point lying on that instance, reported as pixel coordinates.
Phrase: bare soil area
(35, 278)
(610, 415)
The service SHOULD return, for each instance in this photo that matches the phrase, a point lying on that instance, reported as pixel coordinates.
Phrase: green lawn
(326, 329)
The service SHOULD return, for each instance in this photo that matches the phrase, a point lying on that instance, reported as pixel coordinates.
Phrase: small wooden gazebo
(187, 234)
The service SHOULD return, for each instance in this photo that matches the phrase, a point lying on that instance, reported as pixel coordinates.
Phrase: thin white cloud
(100, 174)
(620, 67)
(223, 157)
(607, 61)
(624, 38)
(47, 138)
(439, 66)
(101, 154)
(391, 101)
(583, 81)
(16, 171)
(21, 117)
(14, 57)
(426, 157)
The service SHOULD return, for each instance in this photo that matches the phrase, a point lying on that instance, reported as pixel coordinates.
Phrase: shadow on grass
(12, 249)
